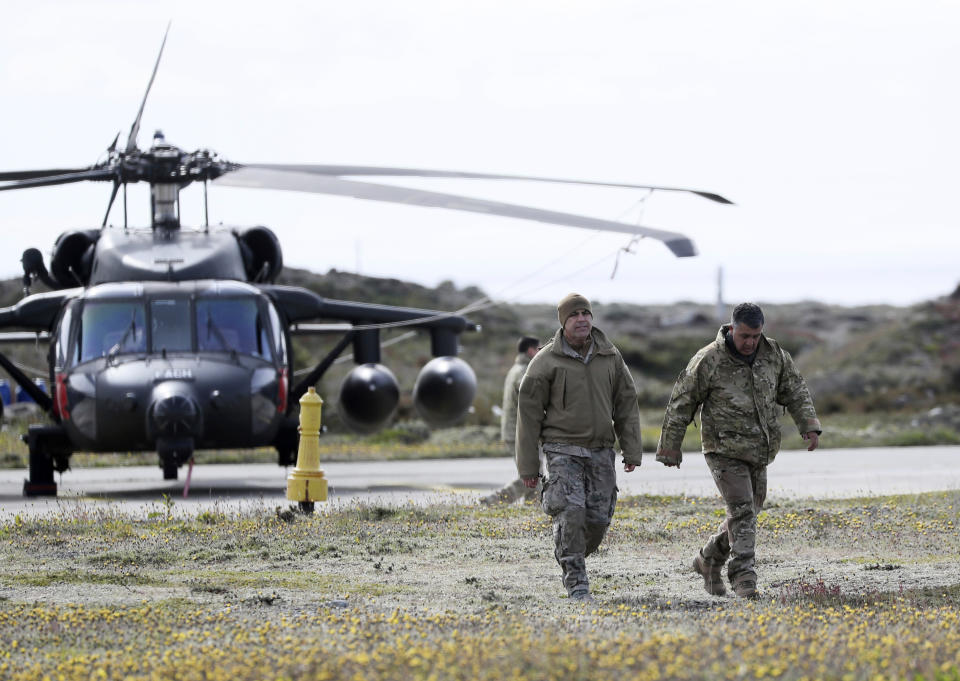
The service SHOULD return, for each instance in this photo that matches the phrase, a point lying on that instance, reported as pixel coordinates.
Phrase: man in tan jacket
(527, 347)
(577, 400)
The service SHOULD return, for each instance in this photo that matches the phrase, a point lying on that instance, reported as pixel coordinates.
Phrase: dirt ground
(353, 574)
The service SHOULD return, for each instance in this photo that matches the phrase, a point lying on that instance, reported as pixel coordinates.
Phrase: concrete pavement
(824, 473)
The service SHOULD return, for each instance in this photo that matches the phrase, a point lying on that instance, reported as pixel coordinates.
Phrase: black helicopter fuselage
(166, 347)
(172, 340)
(169, 366)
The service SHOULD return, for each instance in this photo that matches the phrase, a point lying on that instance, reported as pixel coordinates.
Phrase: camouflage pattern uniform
(740, 403)
(577, 408)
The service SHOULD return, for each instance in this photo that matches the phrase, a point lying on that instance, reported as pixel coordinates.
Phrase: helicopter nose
(175, 415)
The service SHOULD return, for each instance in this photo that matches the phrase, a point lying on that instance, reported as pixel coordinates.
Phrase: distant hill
(856, 359)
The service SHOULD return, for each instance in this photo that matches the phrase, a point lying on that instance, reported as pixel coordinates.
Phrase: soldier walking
(576, 400)
(739, 382)
(526, 349)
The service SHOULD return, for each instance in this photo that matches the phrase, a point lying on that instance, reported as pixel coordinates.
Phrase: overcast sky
(832, 125)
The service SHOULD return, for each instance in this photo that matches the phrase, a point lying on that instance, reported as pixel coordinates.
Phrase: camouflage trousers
(580, 495)
(743, 487)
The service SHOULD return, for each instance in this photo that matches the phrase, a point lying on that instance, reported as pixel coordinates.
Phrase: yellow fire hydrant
(306, 483)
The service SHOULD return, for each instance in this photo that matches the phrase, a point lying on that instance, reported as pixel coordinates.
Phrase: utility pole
(721, 308)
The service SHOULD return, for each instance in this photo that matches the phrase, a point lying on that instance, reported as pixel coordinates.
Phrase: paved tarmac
(794, 474)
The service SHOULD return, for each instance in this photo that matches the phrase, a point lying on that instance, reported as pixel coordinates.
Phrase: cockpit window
(225, 324)
(279, 341)
(63, 338)
(170, 325)
(112, 328)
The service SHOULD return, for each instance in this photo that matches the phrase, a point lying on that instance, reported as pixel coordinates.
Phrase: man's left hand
(629, 467)
(670, 457)
(813, 440)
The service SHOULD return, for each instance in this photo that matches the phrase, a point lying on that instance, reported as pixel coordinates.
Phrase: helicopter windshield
(231, 324)
(111, 329)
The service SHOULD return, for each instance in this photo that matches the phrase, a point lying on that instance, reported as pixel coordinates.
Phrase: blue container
(22, 395)
(5, 391)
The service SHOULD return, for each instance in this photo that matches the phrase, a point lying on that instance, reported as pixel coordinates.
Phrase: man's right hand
(670, 457)
(530, 483)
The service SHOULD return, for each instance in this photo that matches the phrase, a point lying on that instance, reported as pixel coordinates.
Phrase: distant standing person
(526, 348)
(739, 382)
(576, 400)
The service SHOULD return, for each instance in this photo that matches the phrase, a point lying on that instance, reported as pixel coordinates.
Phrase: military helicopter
(170, 338)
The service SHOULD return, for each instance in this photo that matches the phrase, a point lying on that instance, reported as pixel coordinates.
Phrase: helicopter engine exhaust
(262, 256)
(72, 259)
(176, 421)
(368, 398)
(444, 391)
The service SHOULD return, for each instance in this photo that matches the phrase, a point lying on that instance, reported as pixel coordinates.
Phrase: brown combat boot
(710, 571)
(746, 587)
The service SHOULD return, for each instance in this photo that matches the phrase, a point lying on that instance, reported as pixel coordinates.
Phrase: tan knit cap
(570, 304)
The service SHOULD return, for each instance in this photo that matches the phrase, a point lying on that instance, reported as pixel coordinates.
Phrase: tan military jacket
(565, 401)
(511, 388)
(739, 403)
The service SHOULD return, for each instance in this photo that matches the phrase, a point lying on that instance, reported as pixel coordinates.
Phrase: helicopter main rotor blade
(31, 174)
(272, 178)
(135, 128)
(67, 178)
(356, 171)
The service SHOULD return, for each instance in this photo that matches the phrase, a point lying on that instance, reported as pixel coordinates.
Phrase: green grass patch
(52, 578)
(226, 581)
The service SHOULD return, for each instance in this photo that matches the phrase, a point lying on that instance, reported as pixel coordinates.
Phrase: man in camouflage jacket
(576, 400)
(739, 382)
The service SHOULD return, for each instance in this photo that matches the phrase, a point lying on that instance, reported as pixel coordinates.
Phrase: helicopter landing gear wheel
(173, 453)
(40, 483)
(49, 451)
(306, 507)
(170, 469)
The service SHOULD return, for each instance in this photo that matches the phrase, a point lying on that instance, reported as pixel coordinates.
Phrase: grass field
(851, 589)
